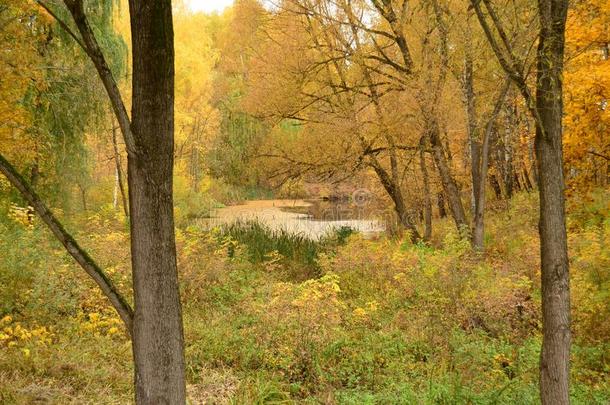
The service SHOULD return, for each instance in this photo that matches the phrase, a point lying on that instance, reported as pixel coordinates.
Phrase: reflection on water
(312, 219)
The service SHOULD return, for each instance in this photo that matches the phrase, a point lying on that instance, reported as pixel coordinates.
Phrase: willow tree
(155, 324)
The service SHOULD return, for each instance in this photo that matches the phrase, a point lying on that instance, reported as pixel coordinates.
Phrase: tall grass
(260, 242)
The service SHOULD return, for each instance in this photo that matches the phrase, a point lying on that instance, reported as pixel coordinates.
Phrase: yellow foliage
(590, 276)
(19, 70)
(21, 215)
(313, 307)
(273, 261)
(197, 120)
(99, 324)
(14, 334)
(587, 94)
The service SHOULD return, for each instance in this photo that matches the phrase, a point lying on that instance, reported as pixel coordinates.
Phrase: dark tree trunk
(449, 185)
(157, 335)
(440, 202)
(427, 201)
(516, 181)
(397, 198)
(526, 180)
(546, 109)
(158, 343)
(556, 337)
(496, 186)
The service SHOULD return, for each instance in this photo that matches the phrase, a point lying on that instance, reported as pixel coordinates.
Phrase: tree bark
(194, 162)
(526, 180)
(442, 161)
(440, 202)
(83, 195)
(496, 186)
(472, 119)
(556, 336)
(158, 342)
(508, 166)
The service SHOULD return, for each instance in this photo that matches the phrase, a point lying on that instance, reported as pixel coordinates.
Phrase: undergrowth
(276, 318)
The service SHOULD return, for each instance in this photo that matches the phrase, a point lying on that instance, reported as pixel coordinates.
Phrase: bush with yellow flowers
(15, 336)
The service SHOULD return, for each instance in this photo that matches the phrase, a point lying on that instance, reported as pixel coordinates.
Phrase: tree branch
(63, 25)
(82, 257)
(92, 49)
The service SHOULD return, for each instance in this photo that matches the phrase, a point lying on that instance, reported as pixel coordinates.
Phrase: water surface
(310, 218)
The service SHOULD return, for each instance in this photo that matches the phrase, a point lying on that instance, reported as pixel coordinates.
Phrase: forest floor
(281, 319)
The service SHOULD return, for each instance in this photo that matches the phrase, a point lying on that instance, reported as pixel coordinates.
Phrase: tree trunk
(556, 337)
(427, 200)
(83, 196)
(478, 232)
(516, 180)
(157, 335)
(158, 342)
(440, 202)
(449, 185)
(472, 119)
(526, 180)
(547, 112)
(507, 151)
(399, 204)
(532, 157)
(194, 156)
(115, 191)
(496, 186)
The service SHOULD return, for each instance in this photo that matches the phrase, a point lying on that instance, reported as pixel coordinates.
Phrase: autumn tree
(336, 66)
(156, 323)
(478, 78)
(231, 154)
(197, 120)
(587, 91)
(546, 108)
(19, 78)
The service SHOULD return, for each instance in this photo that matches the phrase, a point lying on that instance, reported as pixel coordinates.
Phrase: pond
(310, 218)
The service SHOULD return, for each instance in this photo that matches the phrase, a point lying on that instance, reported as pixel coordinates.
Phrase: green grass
(300, 253)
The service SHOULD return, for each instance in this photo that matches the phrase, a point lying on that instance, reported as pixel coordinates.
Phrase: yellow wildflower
(359, 312)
